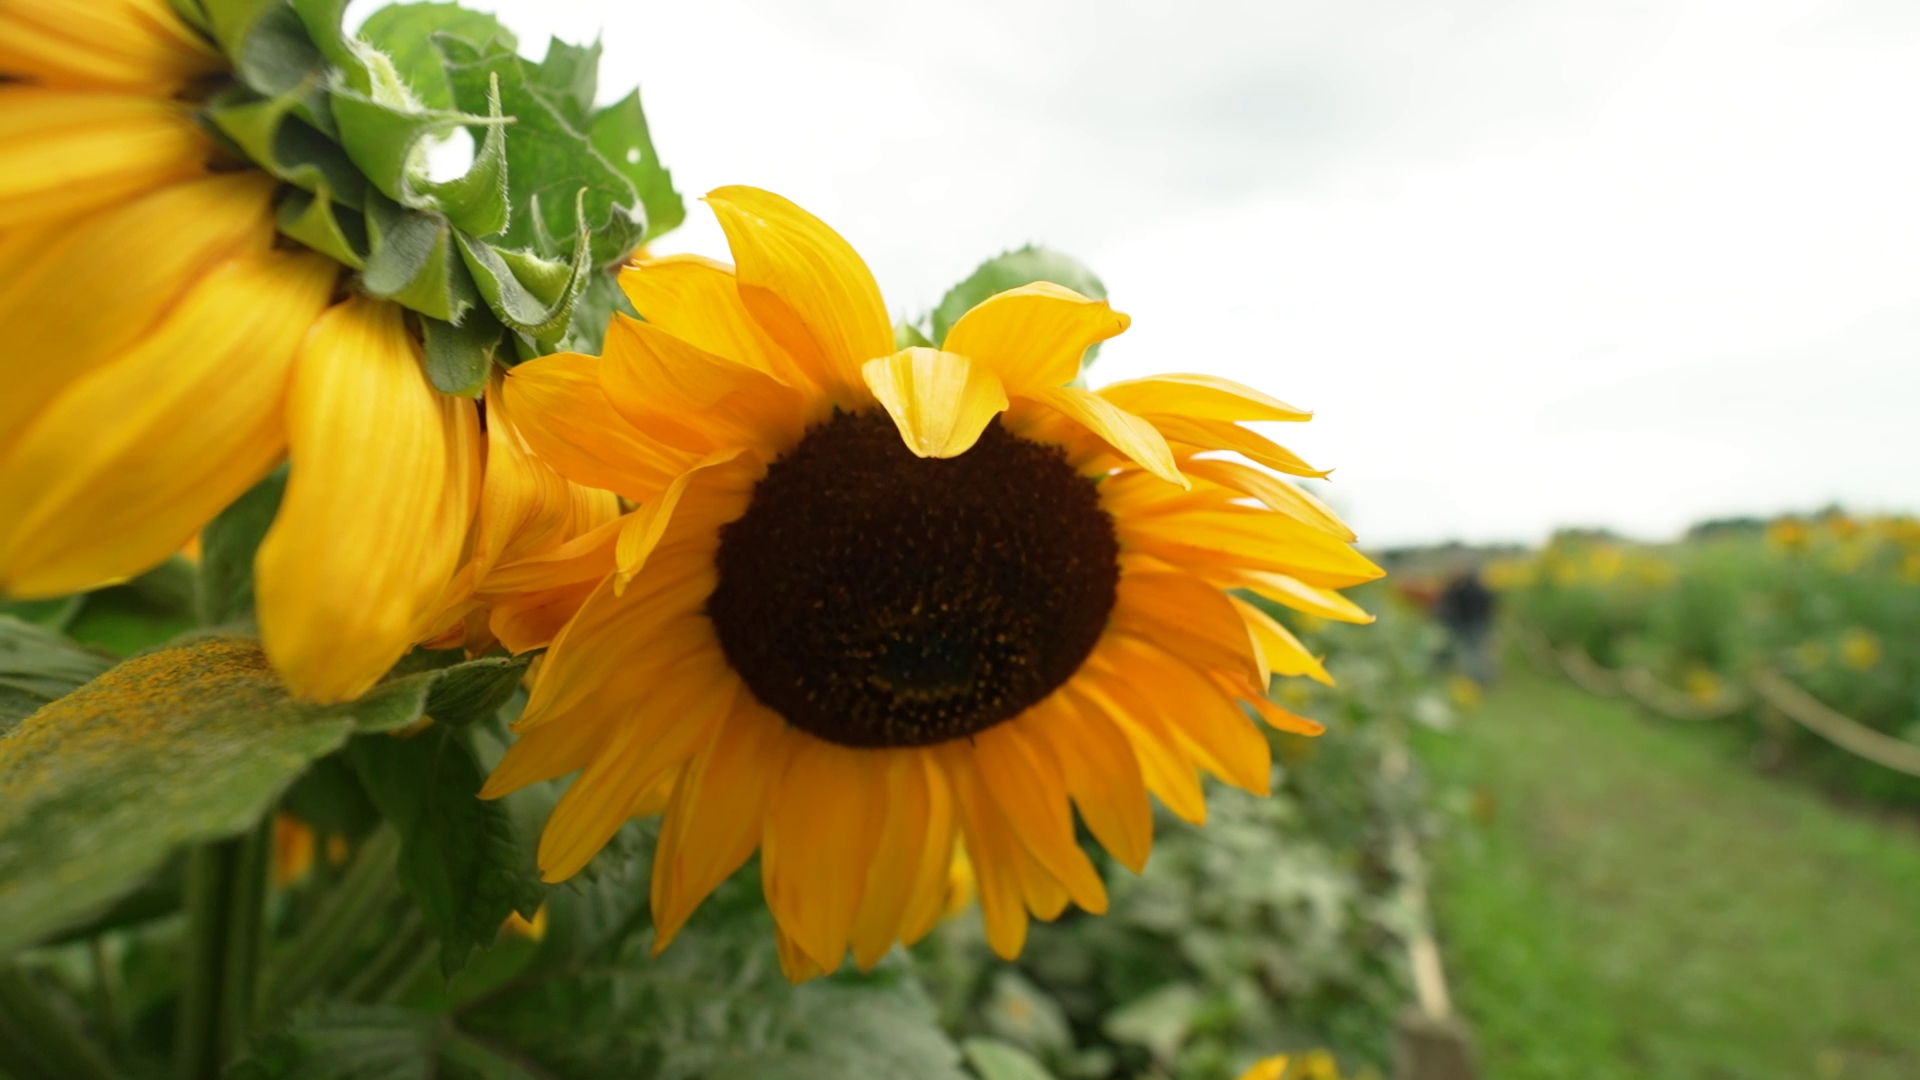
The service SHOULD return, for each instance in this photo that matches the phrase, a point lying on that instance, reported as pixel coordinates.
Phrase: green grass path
(1623, 898)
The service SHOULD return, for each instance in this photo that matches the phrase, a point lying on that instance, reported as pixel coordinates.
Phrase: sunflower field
(1828, 600)
(441, 638)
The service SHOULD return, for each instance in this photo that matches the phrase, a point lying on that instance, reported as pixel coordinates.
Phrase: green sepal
(406, 32)
(561, 184)
(193, 15)
(619, 132)
(266, 130)
(587, 329)
(413, 261)
(316, 220)
(459, 358)
(908, 336)
(1010, 271)
(384, 141)
(529, 294)
(270, 51)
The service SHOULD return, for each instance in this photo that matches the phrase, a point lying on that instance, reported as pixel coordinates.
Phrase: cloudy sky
(1533, 262)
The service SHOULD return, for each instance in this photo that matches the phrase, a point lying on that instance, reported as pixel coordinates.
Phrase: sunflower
(877, 602)
(168, 349)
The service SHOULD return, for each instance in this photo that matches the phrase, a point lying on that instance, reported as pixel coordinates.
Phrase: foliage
(1279, 926)
(1831, 601)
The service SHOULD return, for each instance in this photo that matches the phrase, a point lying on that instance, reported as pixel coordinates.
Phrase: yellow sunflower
(877, 602)
(166, 351)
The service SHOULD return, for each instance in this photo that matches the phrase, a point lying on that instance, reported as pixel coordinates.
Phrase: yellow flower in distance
(877, 602)
(164, 354)
(1859, 649)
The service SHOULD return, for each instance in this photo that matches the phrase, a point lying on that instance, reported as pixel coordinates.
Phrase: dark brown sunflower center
(875, 598)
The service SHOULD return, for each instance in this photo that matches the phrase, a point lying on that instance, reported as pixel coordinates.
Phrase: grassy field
(1622, 899)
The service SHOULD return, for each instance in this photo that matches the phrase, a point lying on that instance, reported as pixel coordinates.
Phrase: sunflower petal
(1280, 649)
(697, 300)
(50, 302)
(1301, 596)
(993, 850)
(1103, 775)
(897, 860)
(1034, 336)
(1134, 438)
(382, 491)
(1277, 494)
(1021, 774)
(933, 881)
(136, 46)
(1203, 397)
(693, 399)
(121, 469)
(1226, 435)
(822, 827)
(661, 734)
(940, 401)
(807, 286)
(69, 151)
(566, 418)
(717, 815)
(1165, 766)
(645, 526)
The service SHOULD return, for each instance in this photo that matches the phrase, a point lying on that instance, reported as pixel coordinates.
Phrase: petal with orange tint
(645, 526)
(1165, 766)
(1203, 397)
(51, 302)
(897, 859)
(69, 151)
(940, 401)
(566, 418)
(660, 734)
(132, 458)
(717, 815)
(1132, 437)
(934, 878)
(693, 399)
(807, 287)
(1102, 774)
(822, 826)
(993, 850)
(1034, 336)
(383, 484)
(1019, 770)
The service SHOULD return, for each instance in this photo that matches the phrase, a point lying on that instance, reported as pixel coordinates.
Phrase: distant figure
(1465, 608)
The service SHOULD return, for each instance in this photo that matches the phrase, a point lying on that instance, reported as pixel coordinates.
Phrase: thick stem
(226, 894)
(316, 957)
(37, 1042)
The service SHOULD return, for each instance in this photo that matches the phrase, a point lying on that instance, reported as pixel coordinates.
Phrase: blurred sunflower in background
(877, 602)
(165, 355)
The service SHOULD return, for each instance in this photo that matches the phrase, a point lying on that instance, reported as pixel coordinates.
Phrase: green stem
(36, 1041)
(109, 997)
(226, 894)
(406, 943)
(324, 946)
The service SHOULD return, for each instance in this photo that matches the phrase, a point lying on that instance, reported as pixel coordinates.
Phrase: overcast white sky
(1533, 262)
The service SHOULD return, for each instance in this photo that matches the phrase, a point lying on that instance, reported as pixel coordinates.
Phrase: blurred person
(1465, 607)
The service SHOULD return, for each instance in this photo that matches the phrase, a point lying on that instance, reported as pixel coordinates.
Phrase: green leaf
(1010, 271)
(405, 33)
(995, 1060)
(313, 218)
(352, 1042)
(181, 745)
(550, 160)
(462, 859)
(227, 544)
(460, 357)
(907, 336)
(570, 75)
(415, 261)
(38, 665)
(475, 690)
(619, 132)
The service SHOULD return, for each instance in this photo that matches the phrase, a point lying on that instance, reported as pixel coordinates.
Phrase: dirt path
(1624, 898)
